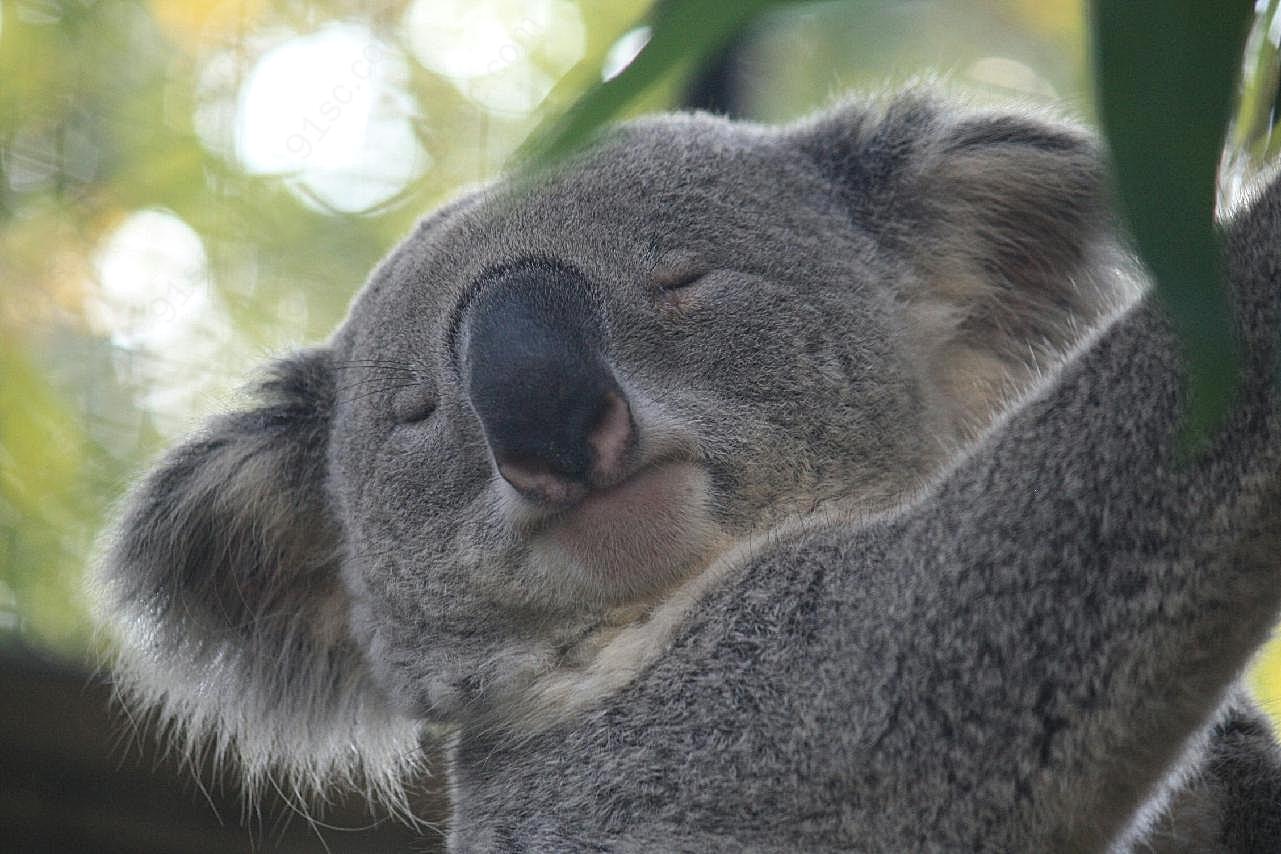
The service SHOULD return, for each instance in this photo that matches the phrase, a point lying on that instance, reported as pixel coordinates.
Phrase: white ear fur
(1020, 257)
(1007, 220)
(220, 586)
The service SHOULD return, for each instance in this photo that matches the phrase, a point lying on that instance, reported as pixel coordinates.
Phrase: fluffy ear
(221, 585)
(1005, 219)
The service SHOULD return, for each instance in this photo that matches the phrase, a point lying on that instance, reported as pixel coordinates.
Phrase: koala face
(561, 405)
(560, 401)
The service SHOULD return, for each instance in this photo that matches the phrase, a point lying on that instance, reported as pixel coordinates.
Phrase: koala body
(676, 483)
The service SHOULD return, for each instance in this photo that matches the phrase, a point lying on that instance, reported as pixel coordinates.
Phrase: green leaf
(1166, 72)
(683, 34)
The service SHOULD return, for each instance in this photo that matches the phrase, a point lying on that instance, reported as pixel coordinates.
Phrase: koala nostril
(537, 481)
(611, 438)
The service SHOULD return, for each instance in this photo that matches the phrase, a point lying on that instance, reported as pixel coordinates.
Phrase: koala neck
(625, 640)
(629, 638)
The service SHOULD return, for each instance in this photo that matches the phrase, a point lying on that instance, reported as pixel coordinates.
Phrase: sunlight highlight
(503, 55)
(155, 303)
(329, 112)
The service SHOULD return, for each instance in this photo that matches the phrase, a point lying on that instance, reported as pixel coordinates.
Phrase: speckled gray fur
(928, 623)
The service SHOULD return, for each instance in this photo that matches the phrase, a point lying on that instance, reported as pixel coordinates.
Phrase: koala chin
(712, 407)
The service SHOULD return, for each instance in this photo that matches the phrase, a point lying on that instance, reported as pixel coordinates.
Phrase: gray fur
(829, 644)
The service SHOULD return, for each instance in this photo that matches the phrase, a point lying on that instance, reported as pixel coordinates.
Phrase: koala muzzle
(535, 371)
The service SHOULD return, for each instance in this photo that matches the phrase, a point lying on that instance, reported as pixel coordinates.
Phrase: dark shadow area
(76, 775)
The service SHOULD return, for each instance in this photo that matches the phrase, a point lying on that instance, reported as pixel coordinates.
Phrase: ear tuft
(1004, 219)
(221, 585)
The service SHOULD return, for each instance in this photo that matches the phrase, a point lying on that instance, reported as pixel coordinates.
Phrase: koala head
(564, 398)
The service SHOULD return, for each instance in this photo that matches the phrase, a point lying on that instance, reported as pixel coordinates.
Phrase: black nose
(554, 416)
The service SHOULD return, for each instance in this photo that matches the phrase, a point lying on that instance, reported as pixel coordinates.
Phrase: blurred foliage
(680, 35)
(1166, 73)
(189, 187)
(1251, 144)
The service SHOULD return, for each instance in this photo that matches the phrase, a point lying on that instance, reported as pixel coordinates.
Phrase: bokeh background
(187, 188)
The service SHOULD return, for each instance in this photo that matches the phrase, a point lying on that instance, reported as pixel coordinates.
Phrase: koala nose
(534, 368)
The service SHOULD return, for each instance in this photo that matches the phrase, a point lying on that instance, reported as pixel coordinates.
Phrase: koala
(732, 487)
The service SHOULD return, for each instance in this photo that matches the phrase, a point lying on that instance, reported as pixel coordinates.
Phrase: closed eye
(679, 280)
(412, 404)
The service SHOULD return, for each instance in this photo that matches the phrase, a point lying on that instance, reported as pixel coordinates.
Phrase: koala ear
(221, 585)
(1004, 220)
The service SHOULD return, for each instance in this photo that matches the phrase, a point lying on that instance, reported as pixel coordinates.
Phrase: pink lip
(642, 530)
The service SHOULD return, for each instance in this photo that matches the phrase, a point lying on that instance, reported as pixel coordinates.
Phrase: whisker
(389, 382)
(381, 390)
(373, 363)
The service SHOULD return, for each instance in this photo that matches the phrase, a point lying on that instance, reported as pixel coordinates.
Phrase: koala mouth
(636, 536)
